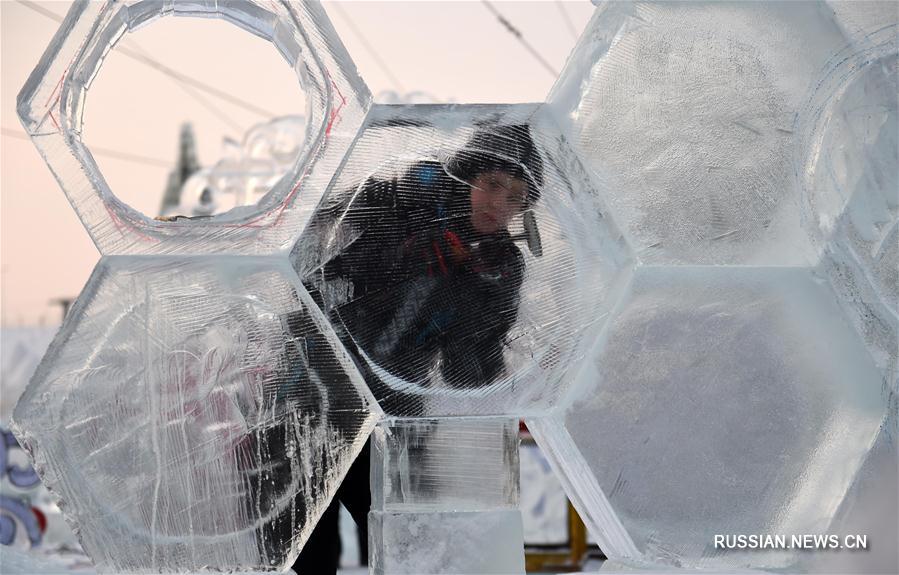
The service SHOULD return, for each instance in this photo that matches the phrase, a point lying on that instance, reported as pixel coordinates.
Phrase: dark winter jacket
(420, 296)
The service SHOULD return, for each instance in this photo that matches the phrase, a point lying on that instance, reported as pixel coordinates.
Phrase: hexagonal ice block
(51, 104)
(719, 401)
(688, 113)
(448, 311)
(194, 413)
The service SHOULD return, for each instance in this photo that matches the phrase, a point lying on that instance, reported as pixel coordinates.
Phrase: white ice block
(445, 497)
(448, 464)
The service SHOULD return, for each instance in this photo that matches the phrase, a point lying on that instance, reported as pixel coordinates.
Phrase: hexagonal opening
(51, 106)
(417, 280)
(247, 16)
(194, 117)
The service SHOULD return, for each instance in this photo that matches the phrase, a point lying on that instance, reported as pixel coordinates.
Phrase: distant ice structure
(739, 385)
(247, 171)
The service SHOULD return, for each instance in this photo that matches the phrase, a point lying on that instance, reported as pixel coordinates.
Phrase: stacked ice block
(195, 412)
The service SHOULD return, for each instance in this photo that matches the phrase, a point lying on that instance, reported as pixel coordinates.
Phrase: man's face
(496, 197)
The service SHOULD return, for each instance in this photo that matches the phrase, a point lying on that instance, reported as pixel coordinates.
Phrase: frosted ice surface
(52, 101)
(19, 562)
(194, 413)
(717, 401)
(458, 464)
(458, 543)
(858, 19)
(447, 312)
(688, 114)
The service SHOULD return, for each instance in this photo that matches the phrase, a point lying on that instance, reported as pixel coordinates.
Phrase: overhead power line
(517, 33)
(102, 151)
(195, 94)
(156, 65)
(569, 24)
(371, 51)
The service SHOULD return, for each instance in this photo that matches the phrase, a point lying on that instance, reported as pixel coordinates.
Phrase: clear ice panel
(687, 112)
(852, 173)
(485, 542)
(194, 413)
(465, 258)
(52, 101)
(449, 464)
(717, 401)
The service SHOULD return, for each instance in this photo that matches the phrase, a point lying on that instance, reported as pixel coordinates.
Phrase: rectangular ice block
(449, 464)
(484, 542)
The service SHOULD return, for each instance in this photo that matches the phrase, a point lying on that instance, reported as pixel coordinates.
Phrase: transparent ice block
(194, 413)
(445, 497)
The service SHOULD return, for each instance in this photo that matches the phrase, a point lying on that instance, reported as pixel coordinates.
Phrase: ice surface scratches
(194, 411)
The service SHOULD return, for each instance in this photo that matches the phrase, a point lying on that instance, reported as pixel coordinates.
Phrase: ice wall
(750, 154)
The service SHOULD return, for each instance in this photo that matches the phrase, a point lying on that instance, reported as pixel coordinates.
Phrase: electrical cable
(396, 83)
(101, 151)
(517, 33)
(570, 25)
(177, 76)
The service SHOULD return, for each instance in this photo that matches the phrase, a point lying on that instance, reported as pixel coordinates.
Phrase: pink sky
(455, 51)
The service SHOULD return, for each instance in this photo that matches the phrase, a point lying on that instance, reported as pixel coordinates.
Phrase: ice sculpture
(851, 181)
(194, 412)
(739, 332)
(448, 311)
(52, 102)
(455, 254)
(737, 397)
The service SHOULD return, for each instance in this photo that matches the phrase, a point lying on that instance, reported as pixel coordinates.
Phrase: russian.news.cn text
(806, 541)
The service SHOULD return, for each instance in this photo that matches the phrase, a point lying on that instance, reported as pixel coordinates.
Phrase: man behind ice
(428, 288)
